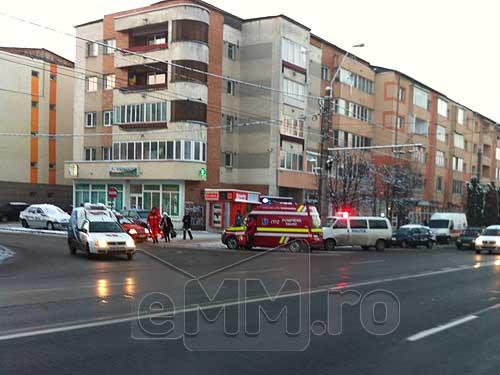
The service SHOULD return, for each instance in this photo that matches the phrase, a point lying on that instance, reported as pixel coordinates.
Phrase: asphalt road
(63, 314)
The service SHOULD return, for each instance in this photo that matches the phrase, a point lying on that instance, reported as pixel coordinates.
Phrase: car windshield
(125, 220)
(403, 231)
(491, 232)
(143, 214)
(439, 224)
(105, 227)
(471, 232)
(54, 210)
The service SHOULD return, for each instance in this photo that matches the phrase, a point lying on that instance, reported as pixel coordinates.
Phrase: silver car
(44, 216)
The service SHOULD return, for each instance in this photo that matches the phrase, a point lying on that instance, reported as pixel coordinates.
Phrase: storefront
(167, 196)
(223, 205)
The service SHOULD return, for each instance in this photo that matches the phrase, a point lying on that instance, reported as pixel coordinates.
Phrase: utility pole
(323, 173)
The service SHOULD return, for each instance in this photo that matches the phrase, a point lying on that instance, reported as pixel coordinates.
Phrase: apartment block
(36, 101)
(161, 125)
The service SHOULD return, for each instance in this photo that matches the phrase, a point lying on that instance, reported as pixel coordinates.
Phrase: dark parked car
(413, 236)
(467, 238)
(137, 215)
(11, 211)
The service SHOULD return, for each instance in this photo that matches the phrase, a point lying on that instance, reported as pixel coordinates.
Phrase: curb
(33, 231)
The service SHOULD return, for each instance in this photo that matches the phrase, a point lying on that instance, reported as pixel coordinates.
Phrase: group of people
(163, 224)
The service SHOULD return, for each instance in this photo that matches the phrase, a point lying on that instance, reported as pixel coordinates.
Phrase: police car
(93, 229)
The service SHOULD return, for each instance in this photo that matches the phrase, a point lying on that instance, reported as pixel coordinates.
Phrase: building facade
(36, 101)
(161, 125)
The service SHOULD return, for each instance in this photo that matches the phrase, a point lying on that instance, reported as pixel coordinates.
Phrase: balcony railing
(139, 88)
(147, 48)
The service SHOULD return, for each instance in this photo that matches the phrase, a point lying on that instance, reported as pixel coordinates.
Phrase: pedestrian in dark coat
(166, 226)
(186, 225)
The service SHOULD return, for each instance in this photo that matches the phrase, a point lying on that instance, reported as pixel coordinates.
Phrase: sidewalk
(201, 240)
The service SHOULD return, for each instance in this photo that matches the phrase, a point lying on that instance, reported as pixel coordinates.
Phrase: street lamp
(359, 45)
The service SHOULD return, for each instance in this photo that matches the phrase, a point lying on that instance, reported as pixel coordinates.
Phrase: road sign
(112, 192)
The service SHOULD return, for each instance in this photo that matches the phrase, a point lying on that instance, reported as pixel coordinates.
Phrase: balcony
(145, 78)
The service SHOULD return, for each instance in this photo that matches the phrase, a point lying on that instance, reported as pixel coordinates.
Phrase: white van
(447, 226)
(360, 231)
(94, 229)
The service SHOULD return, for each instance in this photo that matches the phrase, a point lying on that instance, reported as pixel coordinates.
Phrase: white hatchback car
(489, 239)
(44, 216)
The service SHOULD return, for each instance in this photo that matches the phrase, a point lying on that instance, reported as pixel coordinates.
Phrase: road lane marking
(369, 262)
(254, 271)
(444, 327)
(453, 323)
(72, 326)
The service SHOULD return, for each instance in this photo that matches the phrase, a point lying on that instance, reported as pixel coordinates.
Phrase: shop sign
(118, 171)
(211, 195)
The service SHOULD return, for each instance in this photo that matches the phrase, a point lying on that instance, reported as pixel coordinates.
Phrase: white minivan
(447, 226)
(94, 229)
(363, 231)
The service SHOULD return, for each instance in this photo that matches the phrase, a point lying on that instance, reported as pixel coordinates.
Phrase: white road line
(369, 262)
(444, 327)
(4, 336)
(253, 271)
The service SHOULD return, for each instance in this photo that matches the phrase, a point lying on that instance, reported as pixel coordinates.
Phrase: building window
(157, 79)
(442, 108)
(53, 77)
(345, 139)
(419, 126)
(294, 89)
(108, 118)
(110, 46)
(92, 49)
(182, 74)
(160, 150)
(34, 73)
(90, 153)
(439, 183)
(140, 113)
(293, 127)
(401, 94)
(186, 110)
(91, 84)
(157, 39)
(312, 162)
(441, 133)
(34, 104)
(188, 30)
(229, 123)
(440, 162)
(291, 161)
(90, 119)
(497, 173)
(106, 153)
(231, 51)
(228, 159)
(420, 98)
(325, 73)
(497, 153)
(457, 187)
(458, 164)
(458, 140)
(460, 116)
(109, 81)
(353, 110)
(419, 156)
(52, 107)
(231, 88)
(354, 80)
(401, 122)
(294, 53)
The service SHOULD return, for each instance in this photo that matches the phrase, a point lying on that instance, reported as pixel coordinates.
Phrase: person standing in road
(238, 222)
(154, 223)
(251, 230)
(186, 225)
(166, 226)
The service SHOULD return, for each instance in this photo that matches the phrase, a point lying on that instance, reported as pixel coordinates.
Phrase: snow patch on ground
(5, 254)
(43, 232)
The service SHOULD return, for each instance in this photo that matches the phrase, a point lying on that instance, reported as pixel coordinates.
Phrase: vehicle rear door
(359, 232)
(341, 232)
(30, 217)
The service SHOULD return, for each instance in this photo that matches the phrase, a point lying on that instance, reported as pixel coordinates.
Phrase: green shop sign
(124, 171)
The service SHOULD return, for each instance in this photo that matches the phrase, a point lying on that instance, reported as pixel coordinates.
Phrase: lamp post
(326, 109)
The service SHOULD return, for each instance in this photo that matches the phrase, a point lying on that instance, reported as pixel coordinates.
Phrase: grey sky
(450, 45)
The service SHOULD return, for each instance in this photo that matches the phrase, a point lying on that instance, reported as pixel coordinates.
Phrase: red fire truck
(292, 225)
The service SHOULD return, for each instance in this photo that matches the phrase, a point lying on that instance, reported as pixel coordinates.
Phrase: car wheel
(490, 251)
(232, 243)
(298, 246)
(72, 249)
(87, 251)
(365, 248)
(404, 244)
(380, 245)
(459, 246)
(330, 244)
(50, 226)
(478, 251)
(429, 244)
(130, 256)
(448, 240)
(4, 219)
(24, 223)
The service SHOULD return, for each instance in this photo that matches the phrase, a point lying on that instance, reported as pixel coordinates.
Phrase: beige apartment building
(161, 125)
(36, 101)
